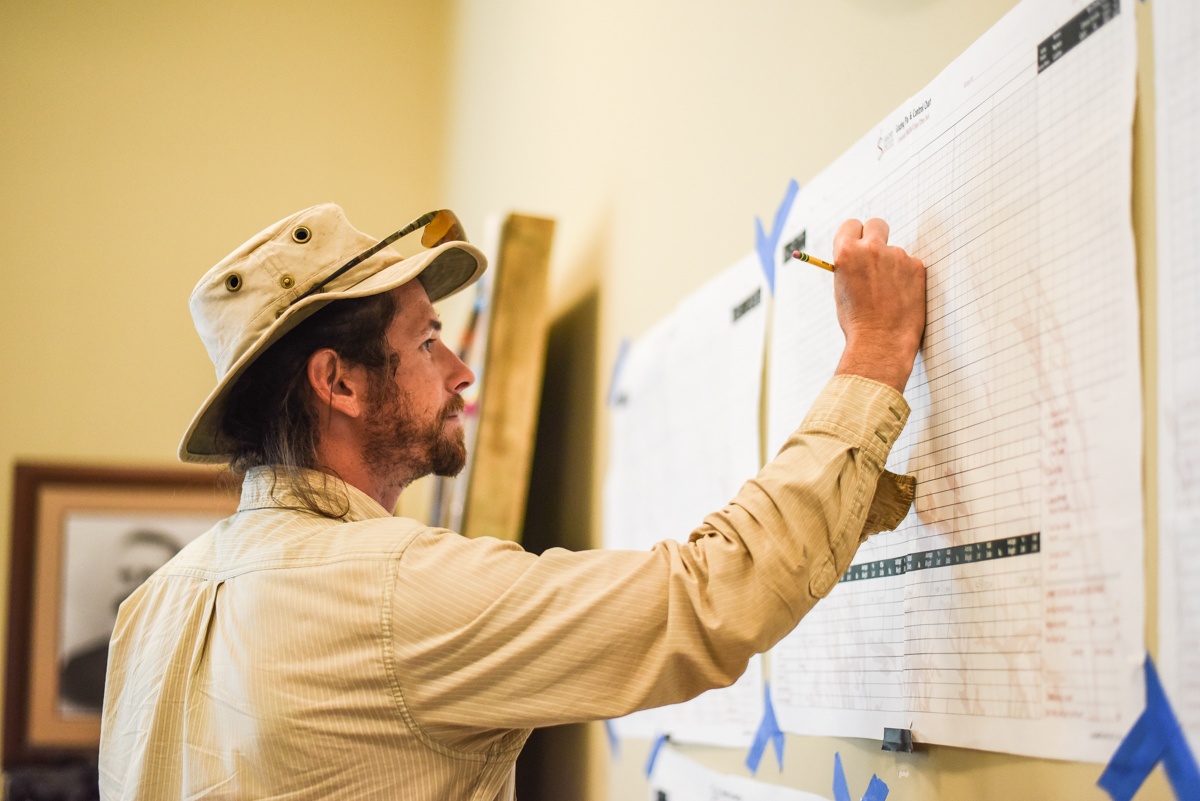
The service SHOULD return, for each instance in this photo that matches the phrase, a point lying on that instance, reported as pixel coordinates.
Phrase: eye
(427, 345)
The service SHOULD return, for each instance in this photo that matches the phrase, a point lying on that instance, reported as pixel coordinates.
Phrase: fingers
(873, 229)
(847, 232)
(876, 228)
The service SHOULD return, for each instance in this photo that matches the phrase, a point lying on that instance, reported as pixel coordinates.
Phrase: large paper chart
(1177, 96)
(685, 436)
(1006, 611)
(684, 410)
(677, 778)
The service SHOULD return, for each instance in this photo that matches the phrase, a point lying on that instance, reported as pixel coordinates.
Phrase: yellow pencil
(824, 265)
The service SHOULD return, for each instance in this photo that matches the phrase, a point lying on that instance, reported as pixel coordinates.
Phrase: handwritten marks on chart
(1005, 613)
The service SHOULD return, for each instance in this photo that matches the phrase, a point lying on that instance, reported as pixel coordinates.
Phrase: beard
(402, 447)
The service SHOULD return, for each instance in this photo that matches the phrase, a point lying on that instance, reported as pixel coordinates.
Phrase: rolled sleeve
(866, 413)
(873, 415)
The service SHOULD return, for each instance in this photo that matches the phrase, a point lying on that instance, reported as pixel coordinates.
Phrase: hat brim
(443, 270)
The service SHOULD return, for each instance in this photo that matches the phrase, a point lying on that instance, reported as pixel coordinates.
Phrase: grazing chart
(1006, 612)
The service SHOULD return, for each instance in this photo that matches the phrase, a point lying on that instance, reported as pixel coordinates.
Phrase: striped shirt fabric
(286, 655)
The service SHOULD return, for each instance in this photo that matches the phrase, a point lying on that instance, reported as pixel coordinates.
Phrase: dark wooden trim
(20, 600)
(29, 478)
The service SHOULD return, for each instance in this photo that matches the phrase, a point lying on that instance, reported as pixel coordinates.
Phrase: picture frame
(83, 537)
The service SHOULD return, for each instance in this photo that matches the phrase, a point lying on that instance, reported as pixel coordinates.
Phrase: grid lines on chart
(996, 438)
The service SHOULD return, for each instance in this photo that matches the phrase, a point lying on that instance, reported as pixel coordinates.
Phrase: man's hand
(880, 293)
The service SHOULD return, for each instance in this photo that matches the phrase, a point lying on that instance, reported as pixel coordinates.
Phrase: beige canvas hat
(284, 274)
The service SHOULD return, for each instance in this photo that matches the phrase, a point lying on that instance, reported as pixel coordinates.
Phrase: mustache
(455, 406)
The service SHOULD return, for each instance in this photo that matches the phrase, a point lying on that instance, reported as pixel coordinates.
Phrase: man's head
(308, 351)
(370, 375)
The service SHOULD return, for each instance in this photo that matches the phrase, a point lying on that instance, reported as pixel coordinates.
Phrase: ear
(338, 387)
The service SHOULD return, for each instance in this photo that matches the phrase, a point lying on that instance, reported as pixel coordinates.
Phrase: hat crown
(236, 301)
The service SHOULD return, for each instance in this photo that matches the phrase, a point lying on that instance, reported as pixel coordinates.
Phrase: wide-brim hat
(265, 288)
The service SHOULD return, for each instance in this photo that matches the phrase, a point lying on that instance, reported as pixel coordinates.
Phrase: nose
(458, 375)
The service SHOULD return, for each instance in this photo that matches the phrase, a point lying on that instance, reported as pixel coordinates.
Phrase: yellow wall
(140, 142)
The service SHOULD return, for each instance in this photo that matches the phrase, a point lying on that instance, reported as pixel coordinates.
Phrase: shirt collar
(270, 487)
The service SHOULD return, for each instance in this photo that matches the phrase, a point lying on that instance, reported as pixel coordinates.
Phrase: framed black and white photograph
(84, 538)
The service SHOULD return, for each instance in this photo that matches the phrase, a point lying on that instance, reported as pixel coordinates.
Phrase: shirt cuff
(870, 415)
(866, 413)
(893, 497)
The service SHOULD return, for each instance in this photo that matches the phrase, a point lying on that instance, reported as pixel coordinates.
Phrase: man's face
(415, 426)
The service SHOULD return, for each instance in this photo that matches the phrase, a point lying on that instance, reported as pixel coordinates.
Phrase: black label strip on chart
(947, 557)
(1080, 27)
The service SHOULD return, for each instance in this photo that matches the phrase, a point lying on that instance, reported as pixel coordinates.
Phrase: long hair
(271, 418)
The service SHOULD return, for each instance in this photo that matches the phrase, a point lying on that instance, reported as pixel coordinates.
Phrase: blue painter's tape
(764, 244)
(1137, 755)
(659, 742)
(841, 791)
(1178, 760)
(618, 363)
(614, 742)
(768, 732)
(876, 790)
(1156, 736)
(766, 254)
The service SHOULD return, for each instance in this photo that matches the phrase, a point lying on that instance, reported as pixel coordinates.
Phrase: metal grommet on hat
(233, 282)
(301, 234)
(286, 282)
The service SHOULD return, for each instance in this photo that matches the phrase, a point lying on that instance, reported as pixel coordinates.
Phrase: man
(313, 646)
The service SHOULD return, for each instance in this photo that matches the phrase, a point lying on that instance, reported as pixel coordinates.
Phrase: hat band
(440, 226)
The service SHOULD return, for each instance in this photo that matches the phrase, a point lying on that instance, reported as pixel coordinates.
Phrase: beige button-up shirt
(285, 655)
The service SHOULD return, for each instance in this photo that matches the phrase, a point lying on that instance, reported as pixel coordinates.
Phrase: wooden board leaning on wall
(512, 381)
